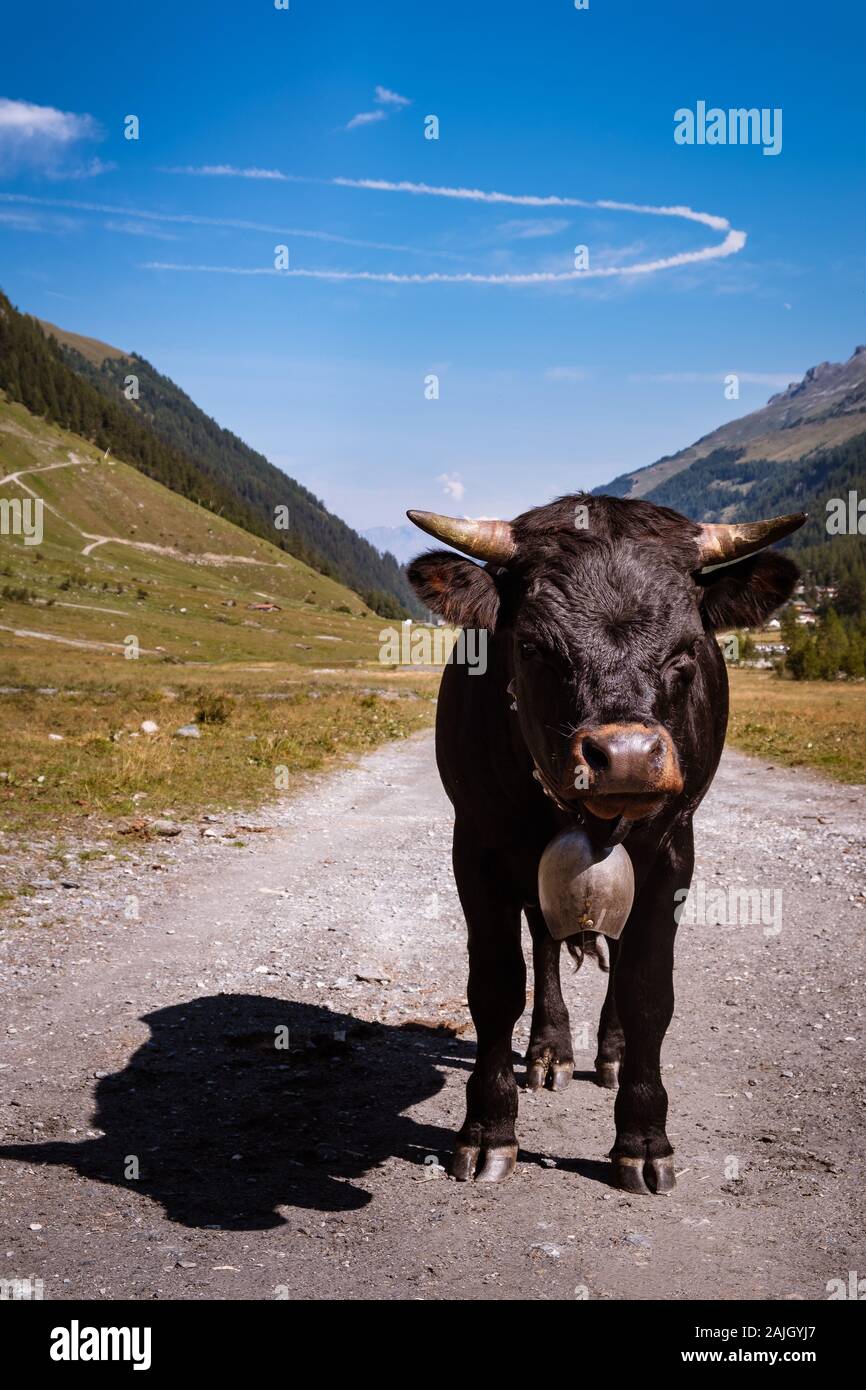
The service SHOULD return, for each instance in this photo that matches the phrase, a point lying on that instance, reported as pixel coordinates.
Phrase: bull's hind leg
(611, 1039)
(644, 991)
(486, 1146)
(549, 1058)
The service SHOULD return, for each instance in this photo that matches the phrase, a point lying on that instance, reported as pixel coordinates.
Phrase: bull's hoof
(463, 1162)
(553, 1072)
(646, 1176)
(607, 1075)
(660, 1175)
(493, 1164)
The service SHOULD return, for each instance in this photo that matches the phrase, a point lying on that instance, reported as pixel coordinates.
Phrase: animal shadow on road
(228, 1123)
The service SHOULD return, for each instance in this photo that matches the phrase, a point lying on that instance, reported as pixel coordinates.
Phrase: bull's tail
(588, 943)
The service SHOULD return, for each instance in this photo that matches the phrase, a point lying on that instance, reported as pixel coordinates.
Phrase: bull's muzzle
(625, 769)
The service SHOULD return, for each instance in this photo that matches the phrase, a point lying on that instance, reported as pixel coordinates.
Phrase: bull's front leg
(611, 1042)
(486, 1145)
(644, 994)
(550, 1056)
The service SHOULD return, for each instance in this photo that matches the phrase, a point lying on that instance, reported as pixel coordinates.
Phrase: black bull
(605, 688)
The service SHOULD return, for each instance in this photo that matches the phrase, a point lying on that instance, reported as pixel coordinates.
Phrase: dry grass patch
(80, 760)
(820, 724)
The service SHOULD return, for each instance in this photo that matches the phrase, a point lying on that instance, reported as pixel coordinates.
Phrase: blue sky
(544, 387)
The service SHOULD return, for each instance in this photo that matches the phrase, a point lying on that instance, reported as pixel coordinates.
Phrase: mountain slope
(92, 349)
(321, 538)
(122, 555)
(823, 410)
(166, 436)
(804, 448)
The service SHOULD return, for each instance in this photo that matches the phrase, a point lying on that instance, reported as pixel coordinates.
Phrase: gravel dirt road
(159, 1140)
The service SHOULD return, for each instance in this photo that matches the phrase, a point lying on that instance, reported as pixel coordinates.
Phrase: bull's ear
(460, 591)
(745, 594)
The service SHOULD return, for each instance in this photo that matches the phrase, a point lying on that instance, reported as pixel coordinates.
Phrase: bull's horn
(484, 540)
(717, 543)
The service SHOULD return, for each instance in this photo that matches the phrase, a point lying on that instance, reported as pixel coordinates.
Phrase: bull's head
(606, 604)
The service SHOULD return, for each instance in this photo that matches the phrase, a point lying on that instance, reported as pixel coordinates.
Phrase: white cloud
(229, 223)
(140, 229)
(22, 221)
(38, 137)
(533, 200)
(230, 171)
(38, 222)
(480, 195)
(386, 97)
(566, 374)
(520, 229)
(91, 170)
(30, 122)
(776, 379)
(452, 485)
(733, 242)
(386, 102)
(367, 118)
(769, 378)
(474, 195)
(709, 219)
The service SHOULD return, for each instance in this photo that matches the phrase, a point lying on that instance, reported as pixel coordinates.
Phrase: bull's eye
(528, 649)
(680, 667)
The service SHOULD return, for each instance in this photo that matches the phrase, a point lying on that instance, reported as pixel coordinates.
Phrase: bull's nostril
(594, 755)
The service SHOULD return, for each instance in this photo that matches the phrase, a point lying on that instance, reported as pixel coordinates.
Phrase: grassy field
(819, 724)
(77, 759)
(123, 566)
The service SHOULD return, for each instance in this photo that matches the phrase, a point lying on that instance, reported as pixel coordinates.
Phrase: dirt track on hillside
(311, 1171)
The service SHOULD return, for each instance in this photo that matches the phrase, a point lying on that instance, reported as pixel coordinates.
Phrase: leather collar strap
(548, 791)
